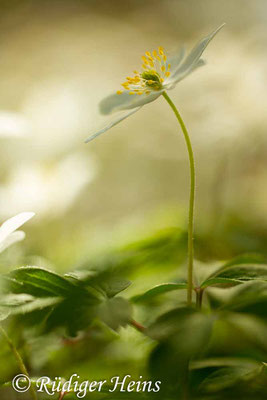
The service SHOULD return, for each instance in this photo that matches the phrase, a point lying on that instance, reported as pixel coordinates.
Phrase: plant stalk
(191, 199)
(19, 360)
(137, 326)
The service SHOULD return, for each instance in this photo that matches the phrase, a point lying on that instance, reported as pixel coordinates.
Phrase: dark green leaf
(227, 377)
(105, 281)
(39, 282)
(236, 274)
(248, 297)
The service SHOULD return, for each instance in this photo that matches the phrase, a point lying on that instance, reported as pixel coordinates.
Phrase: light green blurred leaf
(158, 290)
(115, 312)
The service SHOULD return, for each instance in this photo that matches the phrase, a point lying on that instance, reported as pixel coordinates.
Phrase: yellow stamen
(145, 60)
(155, 70)
(155, 54)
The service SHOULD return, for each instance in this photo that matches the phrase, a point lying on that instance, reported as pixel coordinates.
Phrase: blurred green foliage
(83, 321)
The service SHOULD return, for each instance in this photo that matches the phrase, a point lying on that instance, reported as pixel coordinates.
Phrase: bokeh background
(57, 60)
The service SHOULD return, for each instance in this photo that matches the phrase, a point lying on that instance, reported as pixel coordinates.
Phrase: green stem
(19, 360)
(191, 199)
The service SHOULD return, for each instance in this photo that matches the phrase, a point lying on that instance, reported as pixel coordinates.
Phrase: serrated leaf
(115, 312)
(114, 286)
(158, 290)
(52, 301)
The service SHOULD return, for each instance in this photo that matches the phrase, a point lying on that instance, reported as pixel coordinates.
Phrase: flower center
(152, 79)
(155, 70)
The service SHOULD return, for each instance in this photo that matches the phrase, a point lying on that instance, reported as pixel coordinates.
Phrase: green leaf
(158, 290)
(40, 282)
(248, 297)
(187, 329)
(24, 303)
(228, 377)
(252, 327)
(115, 285)
(52, 301)
(106, 281)
(220, 281)
(115, 312)
(46, 299)
(236, 274)
(183, 334)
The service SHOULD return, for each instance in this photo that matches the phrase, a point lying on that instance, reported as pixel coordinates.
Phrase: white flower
(159, 73)
(8, 230)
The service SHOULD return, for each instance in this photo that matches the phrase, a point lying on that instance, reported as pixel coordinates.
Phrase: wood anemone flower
(159, 73)
(8, 230)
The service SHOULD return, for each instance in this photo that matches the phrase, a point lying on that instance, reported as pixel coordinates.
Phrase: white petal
(11, 239)
(125, 101)
(175, 59)
(112, 123)
(171, 83)
(191, 61)
(14, 223)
